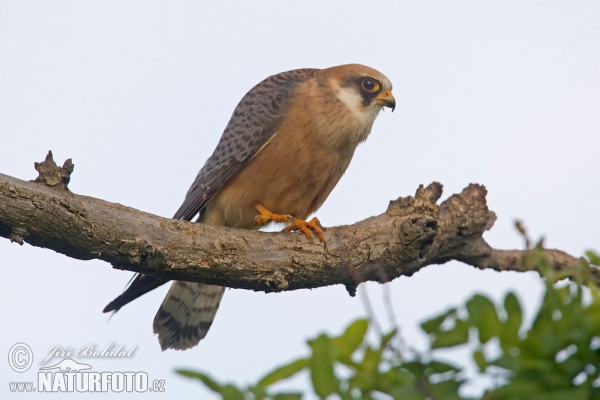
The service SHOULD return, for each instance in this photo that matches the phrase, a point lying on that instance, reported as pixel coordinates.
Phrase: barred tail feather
(186, 314)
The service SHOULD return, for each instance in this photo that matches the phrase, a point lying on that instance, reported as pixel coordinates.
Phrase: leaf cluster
(557, 357)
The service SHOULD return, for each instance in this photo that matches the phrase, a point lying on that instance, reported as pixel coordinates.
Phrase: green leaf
(516, 390)
(439, 367)
(453, 337)
(367, 371)
(387, 337)
(283, 372)
(480, 360)
(321, 366)
(258, 392)
(288, 396)
(447, 389)
(433, 325)
(230, 392)
(345, 395)
(577, 393)
(593, 257)
(348, 342)
(397, 382)
(371, 360)
(208, 381)
(514, 318)
(415, 367)
(484, 317)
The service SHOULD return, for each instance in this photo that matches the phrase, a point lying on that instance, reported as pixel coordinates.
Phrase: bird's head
(364, 90)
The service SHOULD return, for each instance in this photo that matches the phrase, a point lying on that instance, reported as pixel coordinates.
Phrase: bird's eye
(370, 85)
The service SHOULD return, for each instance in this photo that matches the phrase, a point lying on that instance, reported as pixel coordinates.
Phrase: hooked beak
(386, 99)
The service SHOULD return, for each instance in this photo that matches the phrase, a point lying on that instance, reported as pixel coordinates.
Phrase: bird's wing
(254, 121)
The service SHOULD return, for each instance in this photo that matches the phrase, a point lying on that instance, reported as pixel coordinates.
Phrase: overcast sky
(137, 93)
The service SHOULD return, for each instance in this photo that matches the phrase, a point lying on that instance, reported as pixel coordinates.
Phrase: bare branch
(413, 232)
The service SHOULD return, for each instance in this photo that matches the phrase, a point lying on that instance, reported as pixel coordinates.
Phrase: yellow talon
(314, 225)
(267, 216)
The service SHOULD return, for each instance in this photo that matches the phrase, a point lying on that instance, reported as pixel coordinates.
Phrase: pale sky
(137, 93)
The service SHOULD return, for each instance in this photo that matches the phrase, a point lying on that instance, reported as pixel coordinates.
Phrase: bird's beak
(386, 99)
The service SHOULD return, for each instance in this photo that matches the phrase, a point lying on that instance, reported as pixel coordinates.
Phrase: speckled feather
(254, 121)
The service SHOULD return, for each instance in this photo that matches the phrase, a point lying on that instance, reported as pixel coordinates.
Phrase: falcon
(286, 146)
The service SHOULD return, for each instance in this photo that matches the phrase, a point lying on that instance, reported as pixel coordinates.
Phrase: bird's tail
(186, 314)
(138, 285)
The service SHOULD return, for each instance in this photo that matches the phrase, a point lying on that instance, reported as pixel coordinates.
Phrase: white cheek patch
(363, 116)
(353, 101)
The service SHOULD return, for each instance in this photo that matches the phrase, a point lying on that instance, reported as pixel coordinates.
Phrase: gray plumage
(254, 121)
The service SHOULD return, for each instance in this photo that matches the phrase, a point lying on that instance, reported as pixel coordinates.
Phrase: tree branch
(413, 232)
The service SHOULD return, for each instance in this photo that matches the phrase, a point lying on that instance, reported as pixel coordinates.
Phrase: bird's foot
(267, 216)
(314, 225)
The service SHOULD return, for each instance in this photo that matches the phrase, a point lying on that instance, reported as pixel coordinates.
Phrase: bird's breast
(297, 169)
(293, 174)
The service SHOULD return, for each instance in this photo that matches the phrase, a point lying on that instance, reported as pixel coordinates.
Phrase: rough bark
(412, 233)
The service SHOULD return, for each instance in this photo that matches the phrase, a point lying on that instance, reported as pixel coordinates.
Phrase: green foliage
(558, 357)
(594, 258)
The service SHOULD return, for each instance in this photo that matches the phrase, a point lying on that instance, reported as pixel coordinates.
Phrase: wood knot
(52, 175)
(424, 202)
(17, 235)
(351, 287)
(276, 282)
(415, 237)
(467, 213)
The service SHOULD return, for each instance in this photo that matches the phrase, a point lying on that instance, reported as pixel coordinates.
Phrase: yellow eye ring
(370, 85)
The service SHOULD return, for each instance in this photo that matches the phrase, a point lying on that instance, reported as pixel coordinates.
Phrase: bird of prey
(287, 144)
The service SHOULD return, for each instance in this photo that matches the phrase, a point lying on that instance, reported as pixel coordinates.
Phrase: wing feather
(254, 121)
